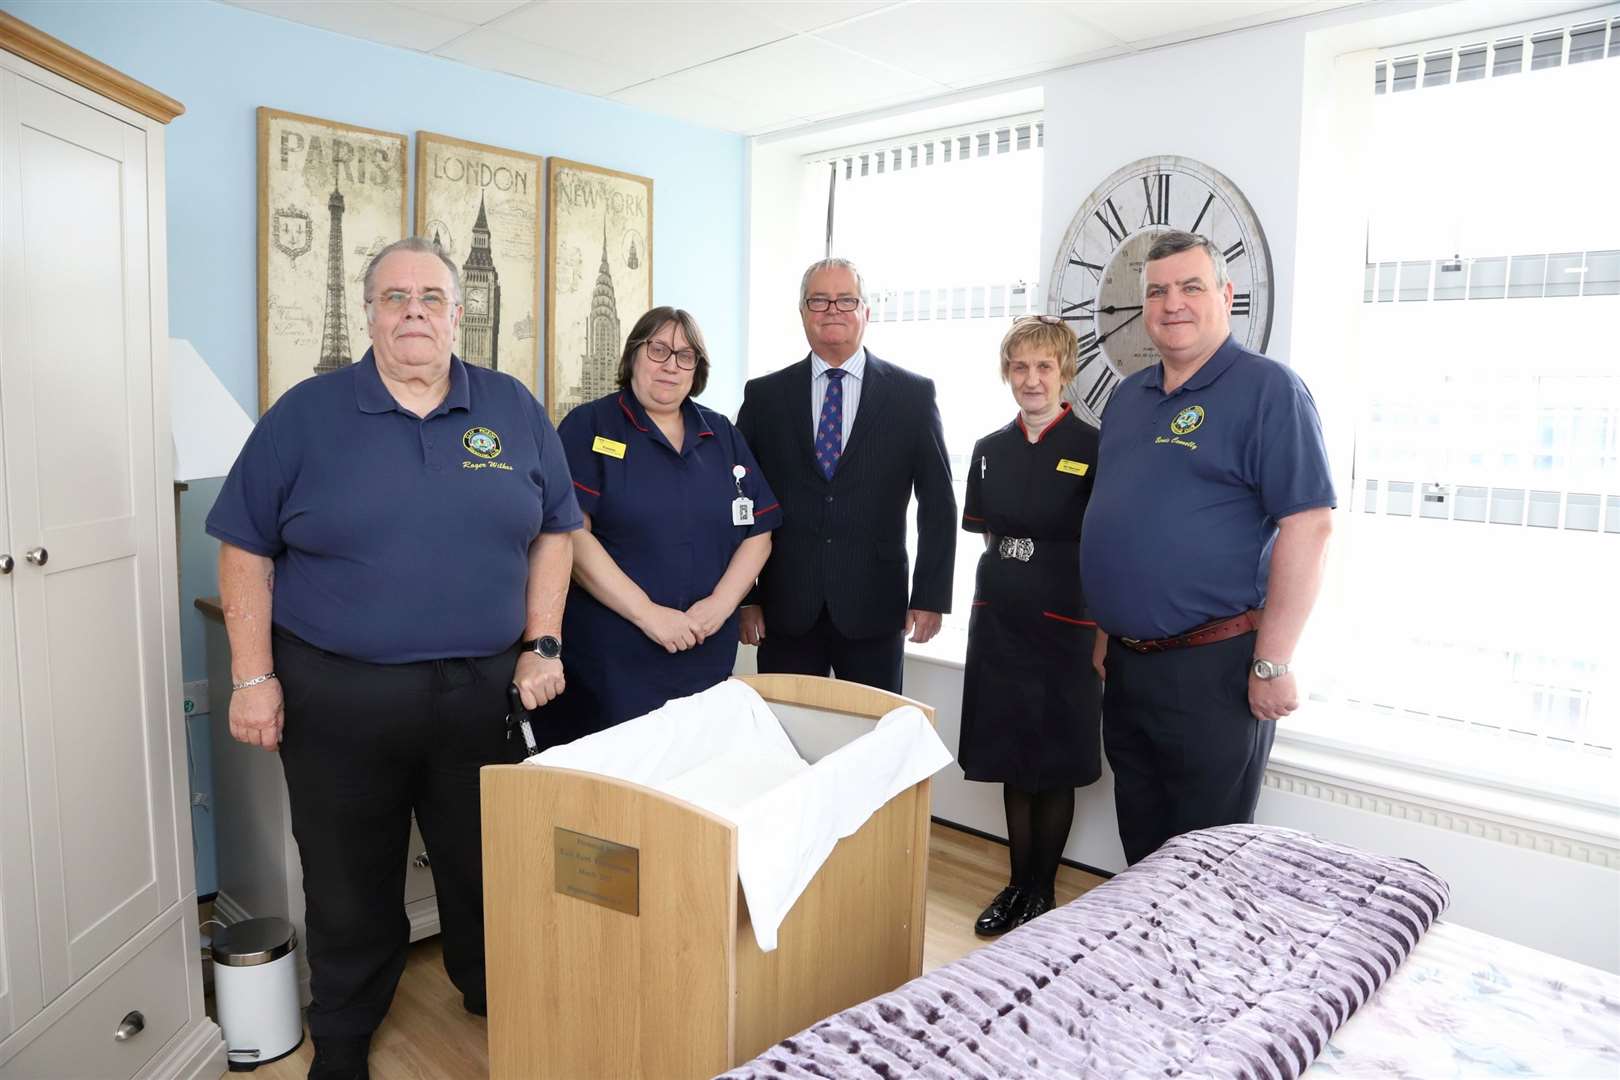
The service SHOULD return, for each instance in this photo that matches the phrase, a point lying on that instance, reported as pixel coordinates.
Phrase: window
(1479, 538)
(947, 237)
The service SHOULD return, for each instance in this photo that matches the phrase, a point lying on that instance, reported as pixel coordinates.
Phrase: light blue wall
(223, 62)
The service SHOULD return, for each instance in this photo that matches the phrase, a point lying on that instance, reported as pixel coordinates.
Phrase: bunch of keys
(517, 718)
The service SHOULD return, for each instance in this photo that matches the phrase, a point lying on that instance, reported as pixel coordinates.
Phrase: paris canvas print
(331, 196)
(598, 277)
(481, 206)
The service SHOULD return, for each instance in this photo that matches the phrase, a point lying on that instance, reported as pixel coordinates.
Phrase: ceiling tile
(806, 75)
(804, 15)
(1171, 20)
(646, 37)
(373, 20)
(477, 12)
(961, 44)
(496, 50)
(677, 96)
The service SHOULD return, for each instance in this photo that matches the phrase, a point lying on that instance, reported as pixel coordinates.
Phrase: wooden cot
(680, 989)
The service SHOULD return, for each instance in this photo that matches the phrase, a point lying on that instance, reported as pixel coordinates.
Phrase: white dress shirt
(854, 371)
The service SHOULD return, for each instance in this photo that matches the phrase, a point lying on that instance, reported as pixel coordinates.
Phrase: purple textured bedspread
(1230, 952)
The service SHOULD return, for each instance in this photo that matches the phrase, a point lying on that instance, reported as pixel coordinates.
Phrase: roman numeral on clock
(1093, 267)
(1200, 219)
(1234, 253)
(1090, 348)
(1241, 303)
(1100, 390)
(1156, 189)
(1083, 311)
(1109, 210)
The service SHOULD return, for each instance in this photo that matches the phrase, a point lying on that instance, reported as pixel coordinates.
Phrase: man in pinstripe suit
(844, 439)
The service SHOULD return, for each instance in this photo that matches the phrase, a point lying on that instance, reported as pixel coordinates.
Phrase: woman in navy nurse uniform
(677, 526)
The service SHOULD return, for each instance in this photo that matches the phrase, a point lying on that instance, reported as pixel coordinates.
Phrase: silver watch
(1266, 670)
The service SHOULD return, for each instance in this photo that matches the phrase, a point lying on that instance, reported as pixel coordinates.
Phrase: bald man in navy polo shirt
(394, 552)
(1201, 556)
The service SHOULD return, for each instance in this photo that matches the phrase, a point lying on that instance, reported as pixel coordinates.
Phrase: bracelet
(255, 681)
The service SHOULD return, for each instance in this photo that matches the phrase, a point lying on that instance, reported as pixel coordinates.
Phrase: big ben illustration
(481, 286)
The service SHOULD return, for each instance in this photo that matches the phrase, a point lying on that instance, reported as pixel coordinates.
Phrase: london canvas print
(598, 277)
(331, 196)
(481, 206)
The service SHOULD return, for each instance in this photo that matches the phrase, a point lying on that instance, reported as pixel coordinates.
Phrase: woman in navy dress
(677, 526)
(1030, 698)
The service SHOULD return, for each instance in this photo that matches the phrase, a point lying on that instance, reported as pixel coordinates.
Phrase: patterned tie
(830, 431)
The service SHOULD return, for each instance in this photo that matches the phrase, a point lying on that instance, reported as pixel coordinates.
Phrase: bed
(1242, 952)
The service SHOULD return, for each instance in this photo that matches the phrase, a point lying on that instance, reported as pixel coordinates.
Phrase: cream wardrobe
(99, 971)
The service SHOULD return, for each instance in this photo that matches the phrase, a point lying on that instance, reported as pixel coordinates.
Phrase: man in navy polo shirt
(390, 533)
(1201, 556)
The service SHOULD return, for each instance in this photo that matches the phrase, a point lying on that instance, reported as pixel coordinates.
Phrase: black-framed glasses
(842, 303)
(659, 353)
(1049, 320)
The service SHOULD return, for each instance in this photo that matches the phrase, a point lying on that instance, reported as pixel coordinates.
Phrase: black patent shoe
(341, 1058)
(998, 917)
(1034, 905)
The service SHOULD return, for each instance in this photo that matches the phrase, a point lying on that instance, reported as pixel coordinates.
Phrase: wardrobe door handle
(6, 563)
(38, 556)
(130, 1026)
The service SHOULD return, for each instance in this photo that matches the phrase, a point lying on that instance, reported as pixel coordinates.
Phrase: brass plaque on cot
(598, 871)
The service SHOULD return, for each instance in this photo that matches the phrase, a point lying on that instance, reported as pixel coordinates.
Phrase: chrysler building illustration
(335, 330)
(599, 366)
(481, 287)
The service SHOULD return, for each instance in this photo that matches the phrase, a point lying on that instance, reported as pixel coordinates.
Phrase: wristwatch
(1266, 670)
(547, 647)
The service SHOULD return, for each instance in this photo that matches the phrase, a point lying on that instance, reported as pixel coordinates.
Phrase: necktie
(830, 429)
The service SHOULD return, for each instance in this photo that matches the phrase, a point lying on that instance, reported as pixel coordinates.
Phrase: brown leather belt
(1208, 634)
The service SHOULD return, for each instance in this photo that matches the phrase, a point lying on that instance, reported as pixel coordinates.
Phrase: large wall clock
(1097, 278)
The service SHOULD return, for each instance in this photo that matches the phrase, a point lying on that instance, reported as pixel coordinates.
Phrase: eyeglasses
(842, 303)
(1049, 320)
(659, 353)
(434, 303)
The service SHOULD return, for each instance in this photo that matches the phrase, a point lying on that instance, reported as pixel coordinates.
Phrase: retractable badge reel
(517, 719)
(742, 507)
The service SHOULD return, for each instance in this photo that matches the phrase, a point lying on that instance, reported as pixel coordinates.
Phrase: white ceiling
(777, 64)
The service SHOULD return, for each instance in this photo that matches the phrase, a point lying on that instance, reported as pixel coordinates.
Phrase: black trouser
(1186, 751)
(364, 746)
(875, 661)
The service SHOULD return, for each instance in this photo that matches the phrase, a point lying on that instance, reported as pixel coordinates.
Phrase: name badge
(1073, 468)
(742, 511)
(605, 445)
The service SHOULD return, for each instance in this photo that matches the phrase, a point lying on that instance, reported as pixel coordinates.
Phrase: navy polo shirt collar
(637, 415)
(371, 396)
(1212, 369)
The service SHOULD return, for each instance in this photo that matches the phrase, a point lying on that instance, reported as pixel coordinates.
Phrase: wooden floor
(428, 1036)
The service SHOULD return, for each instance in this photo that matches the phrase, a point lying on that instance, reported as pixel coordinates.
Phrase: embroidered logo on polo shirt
(1187, 420)
(482, 442)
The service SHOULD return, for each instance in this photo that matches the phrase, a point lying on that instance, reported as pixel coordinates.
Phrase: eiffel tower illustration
(335, 330)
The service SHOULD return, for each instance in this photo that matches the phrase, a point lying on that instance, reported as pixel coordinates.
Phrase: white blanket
(723, 750)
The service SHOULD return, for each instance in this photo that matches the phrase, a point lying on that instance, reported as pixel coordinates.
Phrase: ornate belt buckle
(1013, 547)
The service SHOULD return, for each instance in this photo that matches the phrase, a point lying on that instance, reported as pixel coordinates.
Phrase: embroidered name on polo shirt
(605, 445)
(1073, 468)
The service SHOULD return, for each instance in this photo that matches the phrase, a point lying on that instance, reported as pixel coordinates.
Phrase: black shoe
(339, 1057)
(998, 917)
(1033, 907)
(478, 1006)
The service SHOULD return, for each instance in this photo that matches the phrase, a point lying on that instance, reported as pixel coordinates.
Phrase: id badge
(742, 511)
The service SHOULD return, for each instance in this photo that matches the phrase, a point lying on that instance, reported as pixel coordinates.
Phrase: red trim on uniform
(970, 517)
(768, 509)
(630, 414)
(587, 490)
(1065, 618)
(980, 603)
(703, 433)
(1063, 410)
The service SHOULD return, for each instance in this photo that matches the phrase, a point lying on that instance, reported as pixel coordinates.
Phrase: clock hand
(1112, 308)
(1118, 328)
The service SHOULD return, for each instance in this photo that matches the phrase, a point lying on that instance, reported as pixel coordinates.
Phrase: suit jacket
(842, 542)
